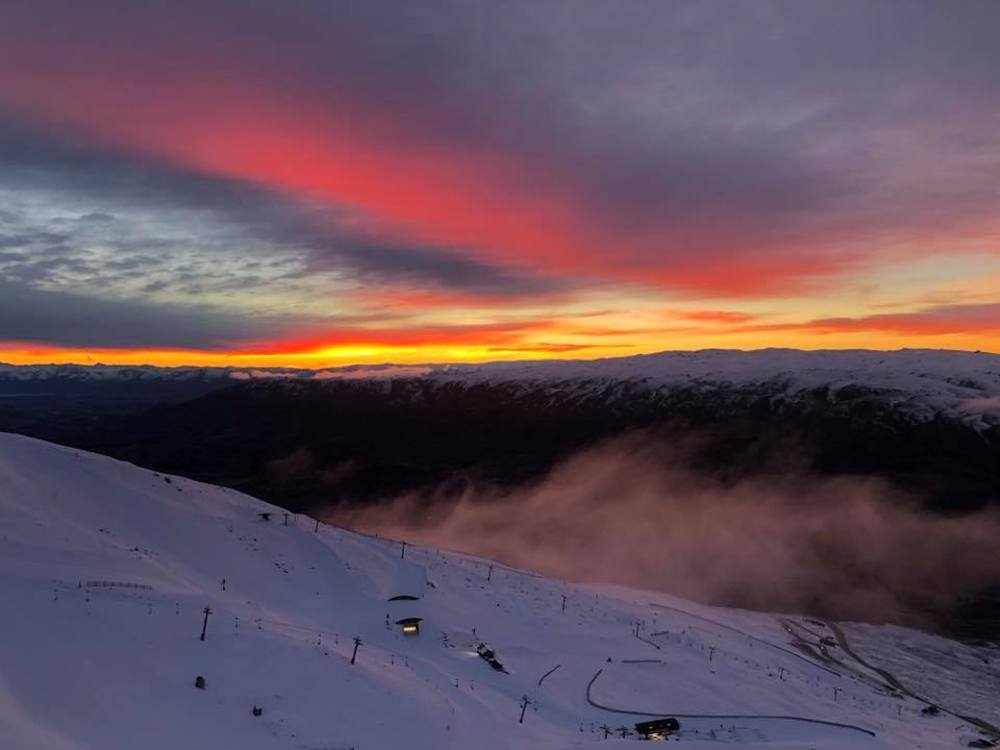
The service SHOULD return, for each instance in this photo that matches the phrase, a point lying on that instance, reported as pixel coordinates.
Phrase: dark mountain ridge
(306, 443)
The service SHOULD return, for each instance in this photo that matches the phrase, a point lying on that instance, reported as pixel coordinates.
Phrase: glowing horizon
(387, 355)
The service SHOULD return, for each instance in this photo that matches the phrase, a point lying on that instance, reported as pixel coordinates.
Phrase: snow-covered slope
(921, 382)
(106, 570)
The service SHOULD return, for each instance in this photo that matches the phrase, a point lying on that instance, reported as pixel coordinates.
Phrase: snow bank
(106, 571)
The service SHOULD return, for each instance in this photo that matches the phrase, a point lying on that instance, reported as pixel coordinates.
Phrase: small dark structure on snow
(256, 710)
(410, 625)
(657, 729)
(490, 657)
(199, 682)
(404, 604)
(264, 516)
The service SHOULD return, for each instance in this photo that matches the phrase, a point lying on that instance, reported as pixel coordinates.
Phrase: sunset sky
(316, 183)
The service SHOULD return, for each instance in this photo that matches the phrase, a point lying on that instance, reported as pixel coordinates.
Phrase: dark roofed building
(657, 729)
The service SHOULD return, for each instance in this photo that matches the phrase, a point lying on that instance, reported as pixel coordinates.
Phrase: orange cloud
(483, 335)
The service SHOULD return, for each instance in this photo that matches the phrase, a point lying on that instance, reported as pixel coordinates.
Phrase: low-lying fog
(628, 511)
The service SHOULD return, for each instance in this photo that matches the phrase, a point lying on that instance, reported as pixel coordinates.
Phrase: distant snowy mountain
(920, 382)
(99, 372)
(107, 573)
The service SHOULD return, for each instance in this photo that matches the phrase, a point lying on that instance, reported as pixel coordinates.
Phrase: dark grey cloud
(73, 320)
(97, 216)
(41, 158)
(382, 260)
(30, 238)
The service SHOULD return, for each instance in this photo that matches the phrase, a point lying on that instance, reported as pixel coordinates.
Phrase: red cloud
(712, 316)
(190, 103)
(935, 321)
(406, 299)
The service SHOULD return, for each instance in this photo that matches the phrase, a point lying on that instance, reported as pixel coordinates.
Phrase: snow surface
(106, 568)
(921, 382)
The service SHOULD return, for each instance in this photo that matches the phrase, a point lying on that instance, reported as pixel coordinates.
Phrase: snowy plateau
(107, 572)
